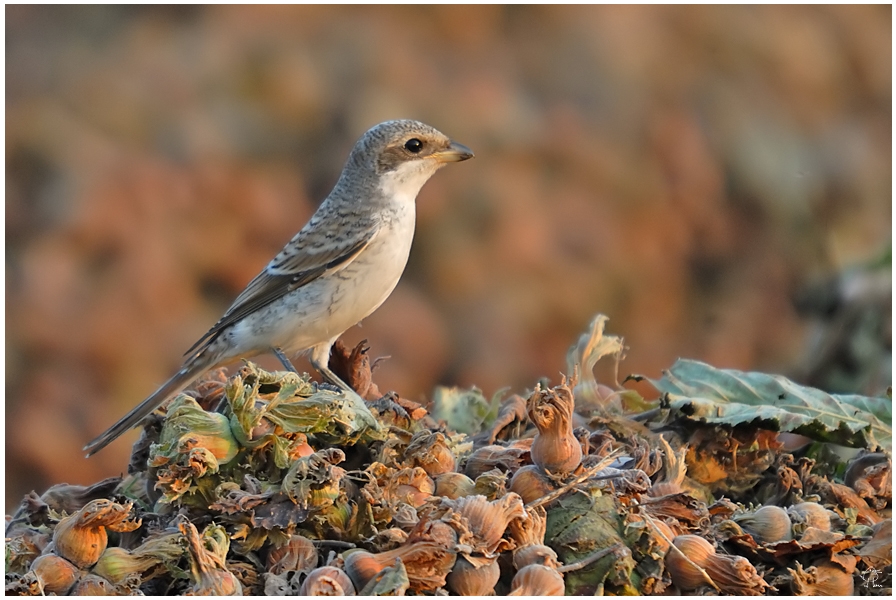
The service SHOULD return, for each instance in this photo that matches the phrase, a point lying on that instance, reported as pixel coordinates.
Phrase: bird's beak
(453, 153)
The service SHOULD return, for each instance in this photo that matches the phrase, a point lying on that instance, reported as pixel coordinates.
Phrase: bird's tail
(181, 379)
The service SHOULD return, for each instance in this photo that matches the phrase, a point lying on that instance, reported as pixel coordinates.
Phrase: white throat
(403, 183)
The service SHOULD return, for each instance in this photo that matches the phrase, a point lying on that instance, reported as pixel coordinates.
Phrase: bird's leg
(283, 359)
(320, 358)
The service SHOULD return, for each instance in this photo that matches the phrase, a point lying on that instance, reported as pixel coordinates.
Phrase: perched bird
(337, 270)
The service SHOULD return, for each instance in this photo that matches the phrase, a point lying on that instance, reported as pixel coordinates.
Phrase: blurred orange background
(684, 170)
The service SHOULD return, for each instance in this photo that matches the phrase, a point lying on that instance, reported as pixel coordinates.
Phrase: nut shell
(537, 580)
(327, 581)
(467, 579)
(767, 525)
(693, 551)
(531, 483)
(55, 574)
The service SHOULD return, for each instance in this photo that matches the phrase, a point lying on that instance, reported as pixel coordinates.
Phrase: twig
(604, 463)
(674, 547)
(581, 564)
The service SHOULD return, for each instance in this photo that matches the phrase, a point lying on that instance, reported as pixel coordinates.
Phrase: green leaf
(465, 411)
(701, 392)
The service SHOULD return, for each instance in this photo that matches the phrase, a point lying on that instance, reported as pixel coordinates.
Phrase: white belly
(324, 308)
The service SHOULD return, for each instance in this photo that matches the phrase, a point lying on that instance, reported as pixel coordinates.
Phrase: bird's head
(403, 154)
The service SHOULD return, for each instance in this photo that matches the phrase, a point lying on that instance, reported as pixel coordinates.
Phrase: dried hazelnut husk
(454, 485)
(208, 556)
(492, 484)
(116, 565)
(187, 426)
(55, 574)
(767, 525)
(822, 579)
(809, 514)
(327, 581)
(531, 529)
(674, 470)
(734, 575)
(469, 579)
(682, 564)
(412, 486)
(81, 538)
(297, 554)
(23, 545)
(429, 451)
(313, 482)
(555, 449)
(505, 458)
(92, 585)
(486, 521)
(531, 483)
(537, 580)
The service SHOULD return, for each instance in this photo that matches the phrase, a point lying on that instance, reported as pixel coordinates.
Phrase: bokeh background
(702, 175)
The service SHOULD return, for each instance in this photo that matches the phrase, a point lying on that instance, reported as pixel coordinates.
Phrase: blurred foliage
(684, 170)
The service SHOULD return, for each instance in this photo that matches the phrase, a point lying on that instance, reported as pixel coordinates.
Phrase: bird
(338, 269)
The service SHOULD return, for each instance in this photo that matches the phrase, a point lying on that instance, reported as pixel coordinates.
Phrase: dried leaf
(701, 392)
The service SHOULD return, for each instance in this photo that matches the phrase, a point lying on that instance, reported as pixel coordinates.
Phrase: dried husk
(734, 575)
(555, 449)
(187, 426)
(23, 545)
(55, 574)
(412, 486)
(297, 554)
(468, 579)
(808, 514)
(429, 451)
(537, 580)
(327, 581)
(208, 561)
(674, 470)
(505, 458)
(313, 482)
(482, 523)
(822, 579)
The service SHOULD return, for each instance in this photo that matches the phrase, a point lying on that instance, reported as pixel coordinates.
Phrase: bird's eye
(413, 145)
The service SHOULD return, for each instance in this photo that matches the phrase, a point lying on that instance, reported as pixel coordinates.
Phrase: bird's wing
(302, 261)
